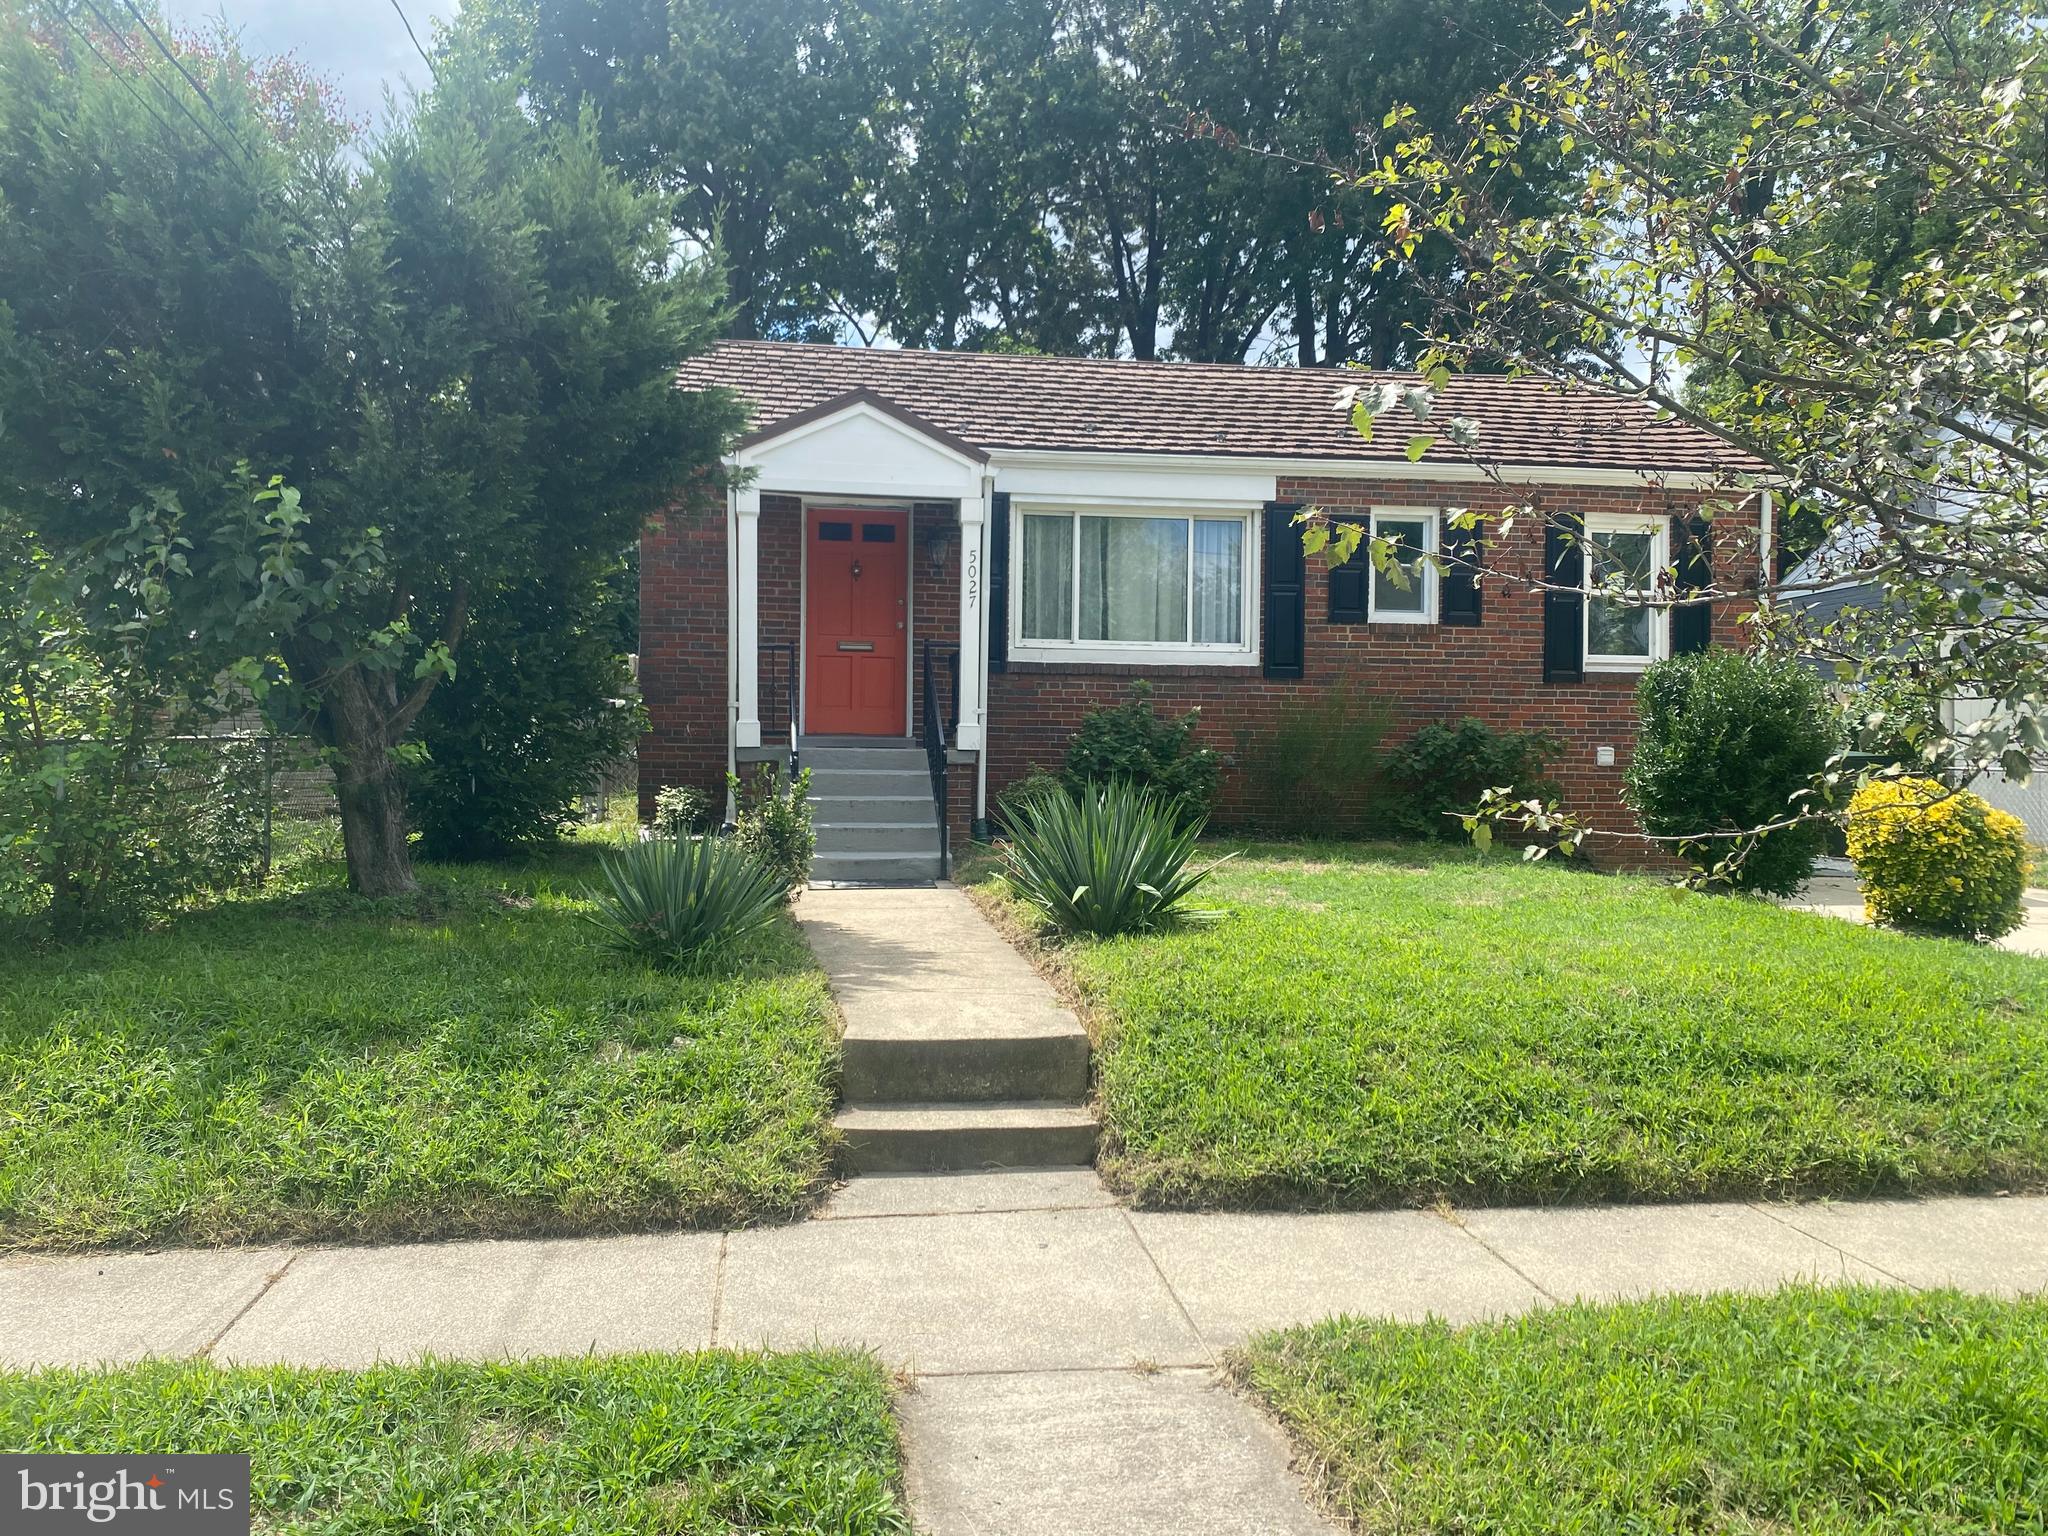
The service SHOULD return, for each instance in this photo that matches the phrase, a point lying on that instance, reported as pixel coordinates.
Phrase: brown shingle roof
(1075, 404)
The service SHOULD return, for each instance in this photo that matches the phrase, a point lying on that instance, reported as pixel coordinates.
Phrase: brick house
(1021, 537)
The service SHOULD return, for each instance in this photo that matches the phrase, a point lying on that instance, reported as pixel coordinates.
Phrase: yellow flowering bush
(1937, 861)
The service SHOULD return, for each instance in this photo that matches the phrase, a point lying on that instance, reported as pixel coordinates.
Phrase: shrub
(1936, 860)
(1318, 769)
(1035, 785)
(681, 810)
(104, 823)
(1112, 860)
(1129, 743)
(774, 824)
(1440, 772)
(541, 705)
(1728, 742)
(681, 901)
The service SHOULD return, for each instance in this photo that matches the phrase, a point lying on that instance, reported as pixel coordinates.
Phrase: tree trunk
(369, 785)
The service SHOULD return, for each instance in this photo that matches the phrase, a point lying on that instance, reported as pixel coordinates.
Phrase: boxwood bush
(1129, 743)
(1936, 860)
(1728, 742)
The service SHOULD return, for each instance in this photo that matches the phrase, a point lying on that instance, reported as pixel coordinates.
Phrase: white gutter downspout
(732, 675)
(988, 487)
(1767, 581)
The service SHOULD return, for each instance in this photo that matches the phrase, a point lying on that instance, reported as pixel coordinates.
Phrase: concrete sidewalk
(1057, 1340)
(1833, 893)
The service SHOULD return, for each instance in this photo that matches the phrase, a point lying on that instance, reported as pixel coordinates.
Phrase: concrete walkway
(1061, 1350)
(1061, 1347)
(1833, 893)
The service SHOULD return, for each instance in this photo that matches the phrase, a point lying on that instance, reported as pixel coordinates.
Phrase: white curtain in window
(1134, 579)
(1410, 536)
(1219, 581)
(1613, 627)
(1048, 578)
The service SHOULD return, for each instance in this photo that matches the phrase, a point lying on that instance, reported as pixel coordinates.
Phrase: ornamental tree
(1820, 232)
(358, 385)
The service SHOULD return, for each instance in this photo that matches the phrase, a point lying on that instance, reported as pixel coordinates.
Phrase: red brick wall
(682, 648)
(1423, 673)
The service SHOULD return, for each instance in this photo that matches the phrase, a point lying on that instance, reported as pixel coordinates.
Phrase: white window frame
(1137, 653)
(1425, 568)
(1659, 530)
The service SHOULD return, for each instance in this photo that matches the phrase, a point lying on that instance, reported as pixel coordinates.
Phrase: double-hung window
(1410, 597)
(1134, 586)
(1624, 560)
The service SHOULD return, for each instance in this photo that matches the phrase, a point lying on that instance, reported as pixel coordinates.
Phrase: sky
(359, 44)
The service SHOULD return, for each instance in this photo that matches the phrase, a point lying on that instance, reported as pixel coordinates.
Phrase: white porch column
(973, 595)
(746, 604)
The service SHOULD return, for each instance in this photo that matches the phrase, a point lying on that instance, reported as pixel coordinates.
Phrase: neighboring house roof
(1072, 404)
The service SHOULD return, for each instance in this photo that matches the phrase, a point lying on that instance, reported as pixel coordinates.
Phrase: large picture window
(1623, 558)
(1175, 584)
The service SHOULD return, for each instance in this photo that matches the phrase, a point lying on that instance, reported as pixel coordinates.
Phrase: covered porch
(857, 610)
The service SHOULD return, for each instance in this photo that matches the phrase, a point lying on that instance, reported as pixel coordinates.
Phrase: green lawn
(709, 1443)
(1386, 1025)
(1823, 1412)
(299, 1063)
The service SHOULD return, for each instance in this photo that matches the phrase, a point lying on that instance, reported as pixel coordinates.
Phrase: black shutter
(1692, 627)
(1460, 604)
(1347, 587)
(1564, 565)
(1285, 608)
(998, 581)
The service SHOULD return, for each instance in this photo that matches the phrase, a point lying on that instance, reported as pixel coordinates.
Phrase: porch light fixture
(938, 543)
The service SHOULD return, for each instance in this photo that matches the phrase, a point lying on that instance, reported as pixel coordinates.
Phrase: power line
(126, 84)
(190, 79)
(176, 100)
(415, 40)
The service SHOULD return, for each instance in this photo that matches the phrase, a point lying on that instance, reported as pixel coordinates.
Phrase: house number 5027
(973, 577)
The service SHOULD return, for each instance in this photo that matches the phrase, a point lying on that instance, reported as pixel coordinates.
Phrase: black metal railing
(777, 686)
(939, 728)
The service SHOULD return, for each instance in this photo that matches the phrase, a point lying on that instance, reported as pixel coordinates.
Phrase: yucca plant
(1109, 861)
(680, 901)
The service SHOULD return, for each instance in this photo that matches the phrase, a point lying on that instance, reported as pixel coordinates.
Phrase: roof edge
(875, 400)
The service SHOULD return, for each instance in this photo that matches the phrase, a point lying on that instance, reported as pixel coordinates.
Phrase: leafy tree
(453, 344)
(1050, 175)
(1853, 271)
(757, 123)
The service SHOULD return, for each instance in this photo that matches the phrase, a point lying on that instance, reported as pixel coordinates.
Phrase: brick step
(941, 1138)
(966, 1069)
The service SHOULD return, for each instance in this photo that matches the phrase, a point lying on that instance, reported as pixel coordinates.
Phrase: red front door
(857, 614)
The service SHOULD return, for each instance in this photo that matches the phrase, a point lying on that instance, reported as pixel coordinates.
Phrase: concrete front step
(916, 838)
(873, 868)
(831, 782)
(938, 1138)
(900, 759)
(967, 1069)
(844, 809)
